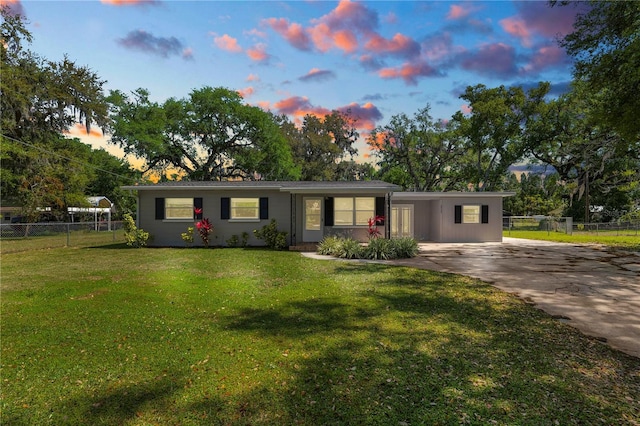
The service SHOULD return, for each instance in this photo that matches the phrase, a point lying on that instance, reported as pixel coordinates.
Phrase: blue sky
(376, 59)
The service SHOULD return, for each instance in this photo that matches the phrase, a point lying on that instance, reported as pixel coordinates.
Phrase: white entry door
(402, 221)
(312, 228)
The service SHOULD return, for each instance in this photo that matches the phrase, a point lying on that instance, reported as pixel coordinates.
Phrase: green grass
(116, 336)
(75, 239)
(624, 242)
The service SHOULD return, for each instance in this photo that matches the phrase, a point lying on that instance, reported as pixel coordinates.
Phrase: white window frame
(234, 208)
(471, 213)
(180, 205)
(353, 211)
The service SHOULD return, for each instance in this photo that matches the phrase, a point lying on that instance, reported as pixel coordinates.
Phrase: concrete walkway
(595, 289)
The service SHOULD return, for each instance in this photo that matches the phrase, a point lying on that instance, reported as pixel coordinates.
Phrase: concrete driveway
(595, 289)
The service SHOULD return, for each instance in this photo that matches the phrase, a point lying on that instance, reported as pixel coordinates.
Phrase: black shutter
(159, 208)
(328, 211)
(458, 214)
(485, 214)
(197, 205)
(380, 209)
(225, 208)
(264, 208)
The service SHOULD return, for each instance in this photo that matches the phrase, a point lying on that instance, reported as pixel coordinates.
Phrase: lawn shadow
(120, 404)
(430, 348)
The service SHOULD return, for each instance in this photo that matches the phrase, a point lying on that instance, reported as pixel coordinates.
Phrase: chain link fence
(538, 223)
(566, 225)
(16, 237)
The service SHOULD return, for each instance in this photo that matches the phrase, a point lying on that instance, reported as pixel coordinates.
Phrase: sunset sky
(376, 59)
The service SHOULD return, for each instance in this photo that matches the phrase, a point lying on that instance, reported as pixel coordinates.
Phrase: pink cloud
(246, 92)
(345, 40)
(409, 72)
(549, 21)
(466, 109)
(131, 2)
(458, 12)
(546, 57)
(316, 74)
(366, 115)
(293, 33)
(292, 105)
(298, 107)
(497, 59)
(187, 53)
(258, 53)
(253, 77)
(517, 27)
(228, 43)
(399, 44)
(14, 7)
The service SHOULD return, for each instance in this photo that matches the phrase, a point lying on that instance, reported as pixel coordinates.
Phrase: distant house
(309, 211)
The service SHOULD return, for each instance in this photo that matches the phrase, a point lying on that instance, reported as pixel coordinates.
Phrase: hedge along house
(307, 211)
(448, 217)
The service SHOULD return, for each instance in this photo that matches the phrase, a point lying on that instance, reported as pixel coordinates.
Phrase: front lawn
(230, 336)
(624, 242)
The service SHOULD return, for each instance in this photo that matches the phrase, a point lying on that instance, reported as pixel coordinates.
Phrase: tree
(418, 153)
(211, 135)
(606, 45)
(591, 157)
(493, 130)
(40, 97)
(322, 147)
(40, 101)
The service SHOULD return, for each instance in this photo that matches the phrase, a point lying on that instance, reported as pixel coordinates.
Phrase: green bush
(233, 241)
(379, 249)
(330, 246)
(244, 239)
(350, 249)
(405, 247)
(134, 236)
(274, 239)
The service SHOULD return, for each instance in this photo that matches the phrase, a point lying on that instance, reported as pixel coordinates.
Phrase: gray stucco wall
(167, 232)
(452, 232)
(434, 220)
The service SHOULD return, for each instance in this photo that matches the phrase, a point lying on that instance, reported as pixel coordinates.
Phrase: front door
(402, 221)
(312, 227)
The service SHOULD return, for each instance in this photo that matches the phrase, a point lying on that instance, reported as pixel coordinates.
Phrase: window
(178, 208)
(245, 208)
(470, 214)
(350, 211)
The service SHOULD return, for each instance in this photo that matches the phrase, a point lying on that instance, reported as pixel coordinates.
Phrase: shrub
(134, 236)
(330, 246)
(350, 249)
(233, 241)
(204, 229)
(405, 247)
(273, 238)
(380, 249)
(187, 237)
(244, 239)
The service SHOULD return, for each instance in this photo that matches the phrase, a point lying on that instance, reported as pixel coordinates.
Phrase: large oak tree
(210, 135)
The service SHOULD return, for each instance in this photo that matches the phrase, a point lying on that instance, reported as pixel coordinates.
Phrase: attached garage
(448, 217)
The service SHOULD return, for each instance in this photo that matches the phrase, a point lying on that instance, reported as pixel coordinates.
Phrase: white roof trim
(441, 195)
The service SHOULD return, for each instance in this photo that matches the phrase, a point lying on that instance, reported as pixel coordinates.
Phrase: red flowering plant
(374, 232)
(204, 229)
